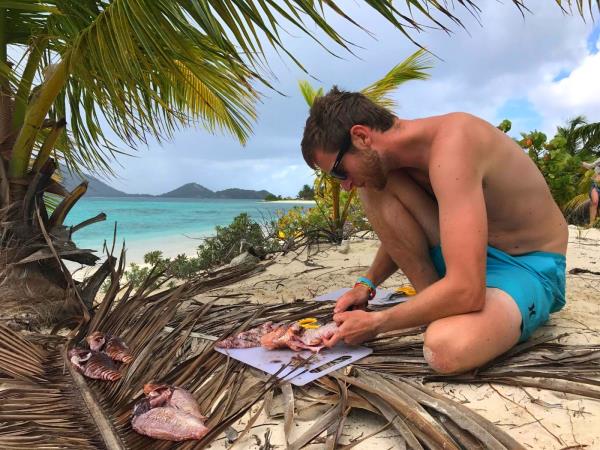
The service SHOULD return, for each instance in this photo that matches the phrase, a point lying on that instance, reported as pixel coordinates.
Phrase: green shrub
(561, 170)
(272, 197)
(315, 224)
(232, 240)
(215, 251)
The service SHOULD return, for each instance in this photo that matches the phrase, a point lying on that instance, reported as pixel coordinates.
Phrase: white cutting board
(272, 361)
(382, 297)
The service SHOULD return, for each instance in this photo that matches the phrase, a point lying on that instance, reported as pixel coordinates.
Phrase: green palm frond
(24, 19)
(308, 92)
(136, 63)
(412, 68)
(575, 203)
(51, 201)
(580, 137)
(141, 66)
(589, 136)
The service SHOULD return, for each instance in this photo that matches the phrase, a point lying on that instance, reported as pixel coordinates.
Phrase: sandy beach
(538, 419)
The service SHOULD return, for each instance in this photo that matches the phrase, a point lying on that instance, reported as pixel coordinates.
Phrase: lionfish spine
(118, 350)
(119, 355)
(101, 372)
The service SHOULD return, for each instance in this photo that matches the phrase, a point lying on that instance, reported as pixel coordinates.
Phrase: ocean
(171, 225)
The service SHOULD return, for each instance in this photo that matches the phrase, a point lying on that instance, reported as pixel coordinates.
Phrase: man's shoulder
(457, 131)
(458, 141)
(454, 120)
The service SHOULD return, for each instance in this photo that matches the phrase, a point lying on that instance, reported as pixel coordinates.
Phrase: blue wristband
(365, 280)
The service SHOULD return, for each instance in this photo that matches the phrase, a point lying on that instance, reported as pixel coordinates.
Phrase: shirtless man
(461, 210)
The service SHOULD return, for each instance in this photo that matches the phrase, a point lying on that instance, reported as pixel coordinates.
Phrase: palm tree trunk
(335, 195)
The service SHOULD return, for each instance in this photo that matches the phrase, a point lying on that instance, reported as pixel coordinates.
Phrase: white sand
(300, 202)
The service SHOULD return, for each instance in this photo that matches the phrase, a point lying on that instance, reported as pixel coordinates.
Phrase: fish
(298, 338)
(168, 413)
(275, 336)
(174, 397)
(282, 337)
(249, 338)
(113, 346)
(314, 337)
(93, 364)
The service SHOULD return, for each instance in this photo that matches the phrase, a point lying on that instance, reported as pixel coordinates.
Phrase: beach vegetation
(272, 198)
(309, 226)
(306, 193)
(182, 268)
(559, 160)
(229, 241)
(243, 234)
(505, 126)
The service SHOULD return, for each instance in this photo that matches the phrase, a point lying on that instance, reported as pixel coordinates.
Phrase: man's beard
(373, 169)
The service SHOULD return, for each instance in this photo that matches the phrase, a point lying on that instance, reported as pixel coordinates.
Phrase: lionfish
(94, 364)
(274, 336)
(113, 346)
(249, 338)
(169, 413)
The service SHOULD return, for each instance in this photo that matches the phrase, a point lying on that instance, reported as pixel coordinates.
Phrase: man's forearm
(441, 299)
(381, 268)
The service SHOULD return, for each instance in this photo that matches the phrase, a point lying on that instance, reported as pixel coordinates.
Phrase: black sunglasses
(335, 171)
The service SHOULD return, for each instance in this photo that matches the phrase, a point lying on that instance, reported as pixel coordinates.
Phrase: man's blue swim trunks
(536, 282)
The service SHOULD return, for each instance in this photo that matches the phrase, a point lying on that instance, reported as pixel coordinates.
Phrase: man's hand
(355, 298)
(355, 327)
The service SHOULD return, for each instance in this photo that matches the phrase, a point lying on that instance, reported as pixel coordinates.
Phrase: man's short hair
(331, 117)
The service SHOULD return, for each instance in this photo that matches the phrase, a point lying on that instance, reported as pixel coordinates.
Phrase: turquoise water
(142, 220)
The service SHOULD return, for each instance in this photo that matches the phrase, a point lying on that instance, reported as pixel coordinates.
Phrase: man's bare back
(521, 213)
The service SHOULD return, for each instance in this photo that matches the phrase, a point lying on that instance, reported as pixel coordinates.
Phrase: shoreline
(300, 202)
(173, 245)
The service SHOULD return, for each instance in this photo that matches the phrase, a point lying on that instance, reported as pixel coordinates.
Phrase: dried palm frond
(44, 401)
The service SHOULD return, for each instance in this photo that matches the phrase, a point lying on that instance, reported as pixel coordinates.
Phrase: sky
(537, 71)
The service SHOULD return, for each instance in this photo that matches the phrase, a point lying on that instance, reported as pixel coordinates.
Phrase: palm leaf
(149, 66)
(588, 134)
(308, 92)
(412, 68)
(46, 406)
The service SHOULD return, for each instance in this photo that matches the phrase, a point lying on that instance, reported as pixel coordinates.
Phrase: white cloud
(579, 93)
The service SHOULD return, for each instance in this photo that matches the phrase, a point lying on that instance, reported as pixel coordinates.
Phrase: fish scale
(101, 367)
(118, 350)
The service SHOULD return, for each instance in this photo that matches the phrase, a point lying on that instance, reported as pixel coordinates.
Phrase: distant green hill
(189, 190)
(242, 193)
(98, 188)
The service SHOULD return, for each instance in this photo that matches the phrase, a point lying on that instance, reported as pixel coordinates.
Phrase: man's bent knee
(459, 343)
(444, 355)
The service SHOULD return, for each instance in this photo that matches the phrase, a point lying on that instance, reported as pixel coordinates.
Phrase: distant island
(98, 188)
